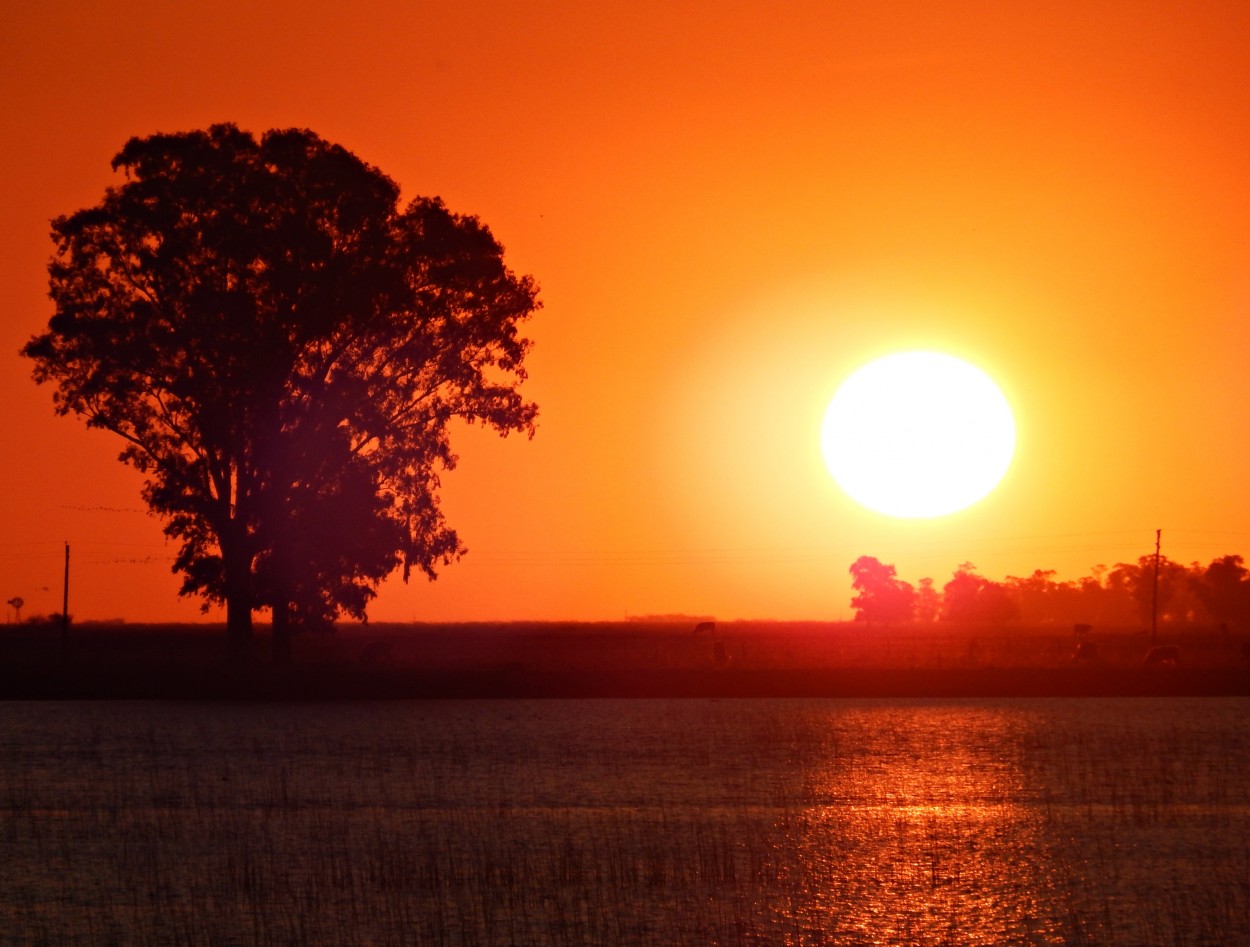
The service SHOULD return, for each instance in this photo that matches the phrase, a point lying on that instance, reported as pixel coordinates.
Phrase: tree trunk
(238, 570)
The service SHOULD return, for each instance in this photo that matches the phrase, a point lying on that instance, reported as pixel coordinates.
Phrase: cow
(1085, 651)
(1080, 630)
(705, 627)
(1164, 655)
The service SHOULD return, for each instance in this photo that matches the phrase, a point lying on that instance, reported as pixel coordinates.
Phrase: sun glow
(918, 434)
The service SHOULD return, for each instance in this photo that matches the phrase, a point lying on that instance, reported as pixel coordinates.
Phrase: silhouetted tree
(1175, 600)
(283, 347)
(1090, 603)
(1224, 589)
(881, 595)
(1034, 596)
(972, 598)
(928, 601)
(1039, 598)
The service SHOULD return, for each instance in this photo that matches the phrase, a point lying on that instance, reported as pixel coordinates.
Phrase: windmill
(17, 602)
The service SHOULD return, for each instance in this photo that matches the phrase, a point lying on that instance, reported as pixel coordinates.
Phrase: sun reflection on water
(916, 833)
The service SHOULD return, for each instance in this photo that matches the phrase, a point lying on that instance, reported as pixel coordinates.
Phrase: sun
(918, 434)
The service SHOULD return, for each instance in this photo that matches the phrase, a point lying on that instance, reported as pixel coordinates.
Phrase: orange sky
(728, 208)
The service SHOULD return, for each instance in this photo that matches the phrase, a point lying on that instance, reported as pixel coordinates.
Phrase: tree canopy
(972, 598)
(283, 348)
(1124, 595)
(880, 595)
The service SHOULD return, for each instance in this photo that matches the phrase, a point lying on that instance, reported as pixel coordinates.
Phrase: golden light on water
(922, 837)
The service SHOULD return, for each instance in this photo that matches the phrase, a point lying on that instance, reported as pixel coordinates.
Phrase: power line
(104, 509)
(111, 552)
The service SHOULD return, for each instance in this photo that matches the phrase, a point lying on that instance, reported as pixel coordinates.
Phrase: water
(618, 822)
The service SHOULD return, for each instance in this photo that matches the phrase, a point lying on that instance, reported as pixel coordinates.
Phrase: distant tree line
(1123, 595)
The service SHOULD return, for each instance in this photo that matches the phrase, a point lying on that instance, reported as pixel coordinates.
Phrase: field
(622, 659)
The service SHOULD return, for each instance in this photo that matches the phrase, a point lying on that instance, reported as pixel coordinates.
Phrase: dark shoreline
(331, 683)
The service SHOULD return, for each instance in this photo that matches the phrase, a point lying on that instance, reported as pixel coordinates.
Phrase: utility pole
(1154, 594)
(65, 599)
